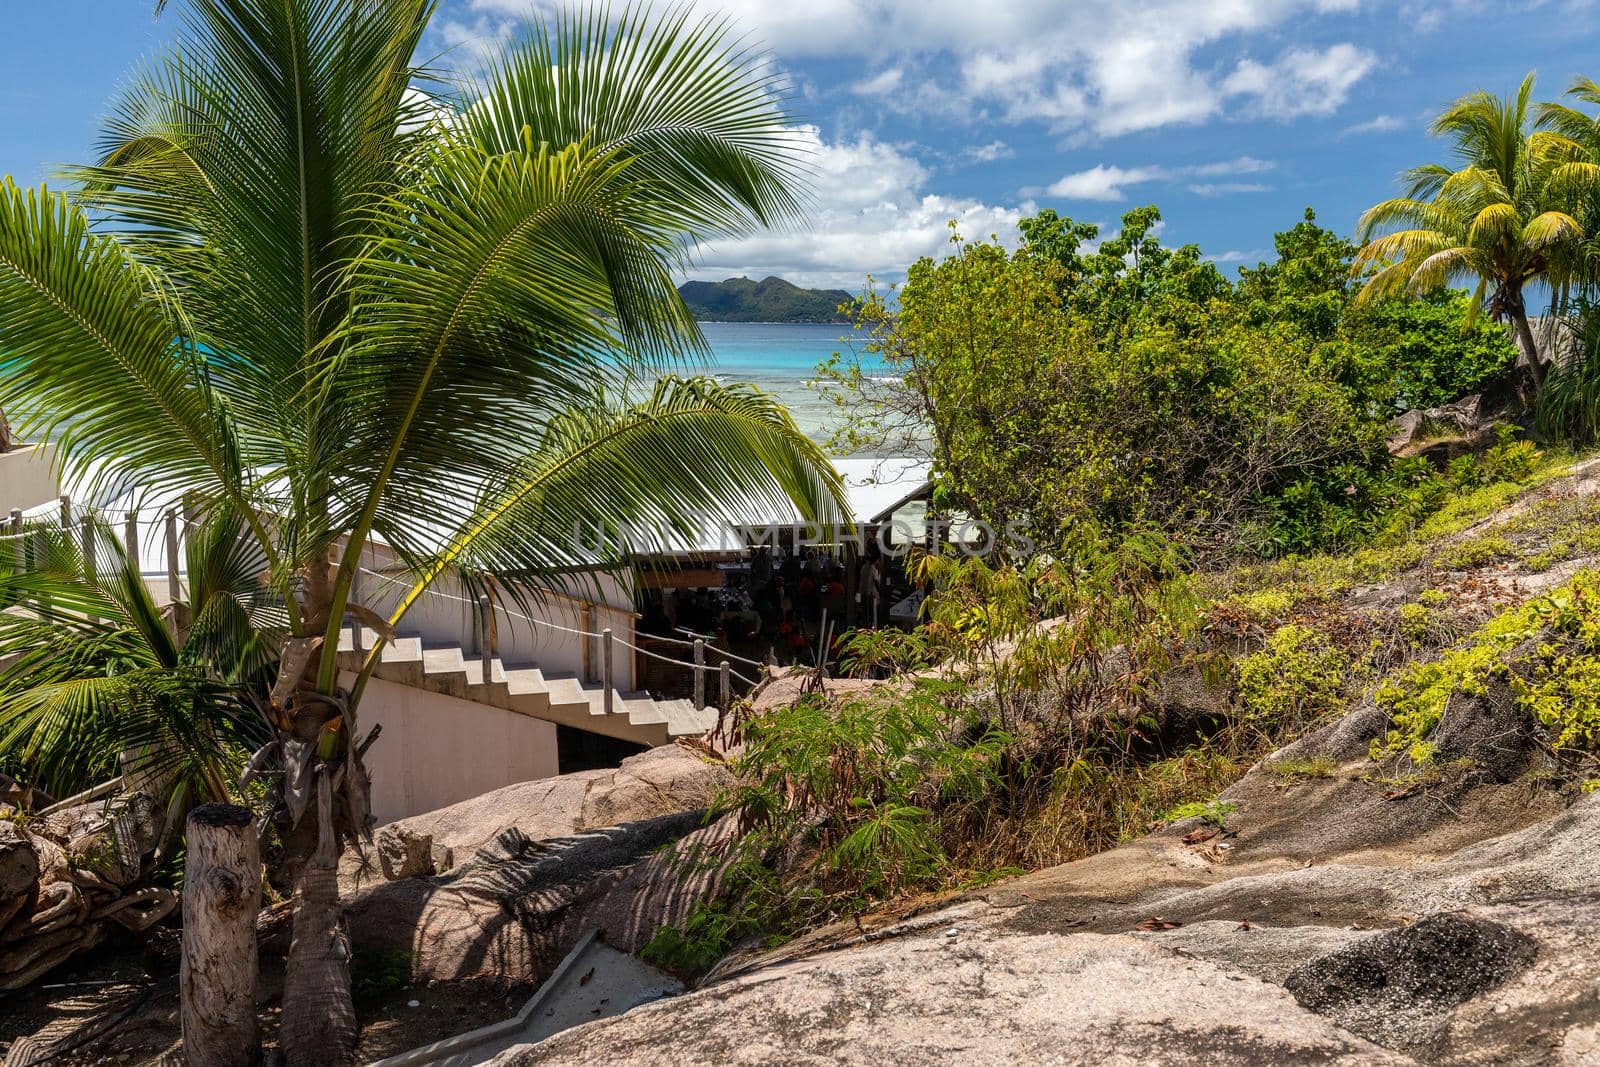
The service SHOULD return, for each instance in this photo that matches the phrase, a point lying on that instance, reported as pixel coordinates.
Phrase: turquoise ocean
(780, 357)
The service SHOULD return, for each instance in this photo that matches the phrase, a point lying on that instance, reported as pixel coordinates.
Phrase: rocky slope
(1451, 927)
(1364, 901)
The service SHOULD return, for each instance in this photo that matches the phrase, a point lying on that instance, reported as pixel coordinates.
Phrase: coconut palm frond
(613, 481)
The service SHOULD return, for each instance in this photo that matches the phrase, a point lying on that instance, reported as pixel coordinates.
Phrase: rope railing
(690, 644)
(23, 530)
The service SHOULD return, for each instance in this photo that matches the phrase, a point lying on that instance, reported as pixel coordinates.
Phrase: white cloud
(1376, 124)
(1104, 182)
(871, 213)
(1110, 182)
(1254, 255)
(989, 153)
(1095, 67)
(1227, 188)
(469, 43)
(886, 81)
(1301, 81)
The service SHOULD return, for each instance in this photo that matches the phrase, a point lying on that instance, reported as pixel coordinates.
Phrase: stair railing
(608, 643)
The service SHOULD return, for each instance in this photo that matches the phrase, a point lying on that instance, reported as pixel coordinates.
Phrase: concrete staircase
(558, 698)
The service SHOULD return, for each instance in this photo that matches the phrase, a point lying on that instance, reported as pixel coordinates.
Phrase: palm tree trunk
(1527, 345)
(319, 1020)
(326, 793)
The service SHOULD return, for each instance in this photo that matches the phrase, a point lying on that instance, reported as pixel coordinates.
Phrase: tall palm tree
(1506, 217)
(297, 286)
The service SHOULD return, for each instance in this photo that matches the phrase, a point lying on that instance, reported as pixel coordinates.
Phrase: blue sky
(1232, 115)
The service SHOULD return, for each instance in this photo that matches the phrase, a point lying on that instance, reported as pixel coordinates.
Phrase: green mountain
(769, 300)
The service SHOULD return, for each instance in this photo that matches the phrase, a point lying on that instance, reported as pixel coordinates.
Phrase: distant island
(769, 300)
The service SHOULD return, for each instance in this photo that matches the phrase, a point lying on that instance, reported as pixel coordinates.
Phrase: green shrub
(1416, 623)
(1215, 812)
(1475, 552)
(375, 975)
(1296, 679)
(1558, 683)
(856, 779)
(1312, 767)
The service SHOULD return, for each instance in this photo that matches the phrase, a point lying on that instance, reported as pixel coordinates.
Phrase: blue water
(781, 358)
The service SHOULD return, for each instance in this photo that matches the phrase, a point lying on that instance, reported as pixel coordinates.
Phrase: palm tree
(349, 311)
(97, 674)
(1506, 218)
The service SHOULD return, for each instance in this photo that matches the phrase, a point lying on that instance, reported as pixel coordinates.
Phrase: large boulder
(661, 781)
(540, 862)
(955, 995)
(663, 888)
(513, 910)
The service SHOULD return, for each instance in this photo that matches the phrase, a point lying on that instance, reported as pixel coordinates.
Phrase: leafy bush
(1214, 812)
(1557, 682)
(1350, 505)
(857, 780)
(1296, 679)
(1392, 355)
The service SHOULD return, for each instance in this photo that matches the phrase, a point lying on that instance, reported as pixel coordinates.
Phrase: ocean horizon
(781, 357)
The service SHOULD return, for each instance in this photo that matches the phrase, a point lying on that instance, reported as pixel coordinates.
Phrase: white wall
(436, 750)
(28, 477)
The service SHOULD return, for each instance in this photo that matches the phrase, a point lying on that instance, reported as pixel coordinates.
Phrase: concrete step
(686, 720)
(527, 692)
(559, 698)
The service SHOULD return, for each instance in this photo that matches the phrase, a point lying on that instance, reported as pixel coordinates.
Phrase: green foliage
(1402, 507)
(95, 674)
(1416, 623)
(1121, 388)
(1394, 354)
(1132, 385)
(1569, 404)
(858, 781)
(1214, 812)
(1305, 767)
(376, 975)
(1298, 678)
(1423, 352)
(1344, 506)
(1475, 552)
(1556, 681)
(1500, 220)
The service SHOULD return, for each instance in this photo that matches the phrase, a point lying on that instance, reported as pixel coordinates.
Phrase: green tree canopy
(1506, 217)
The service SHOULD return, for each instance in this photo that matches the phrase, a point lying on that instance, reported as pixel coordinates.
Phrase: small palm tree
(98, 675)
(297, 286)
(1507, 217)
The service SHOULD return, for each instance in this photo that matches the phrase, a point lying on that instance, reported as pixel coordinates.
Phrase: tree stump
(221, 896)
